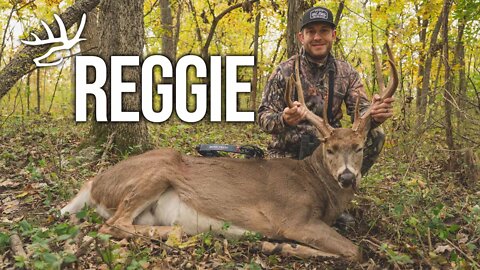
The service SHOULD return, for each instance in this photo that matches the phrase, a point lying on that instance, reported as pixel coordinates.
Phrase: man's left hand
(381, 110)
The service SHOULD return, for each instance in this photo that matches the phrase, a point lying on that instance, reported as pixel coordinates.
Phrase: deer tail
(82, 198)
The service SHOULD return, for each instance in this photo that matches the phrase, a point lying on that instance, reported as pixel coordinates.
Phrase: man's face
(317, 39)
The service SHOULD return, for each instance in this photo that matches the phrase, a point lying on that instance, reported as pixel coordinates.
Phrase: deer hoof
(115, 232)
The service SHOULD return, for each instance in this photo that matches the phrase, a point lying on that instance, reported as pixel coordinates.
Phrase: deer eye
(330, 151)
(359, 150)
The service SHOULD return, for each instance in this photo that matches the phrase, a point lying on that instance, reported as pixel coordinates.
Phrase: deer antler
(63, 38)
(361, 122)
(324, 128)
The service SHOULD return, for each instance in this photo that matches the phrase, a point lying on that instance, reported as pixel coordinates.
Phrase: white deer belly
(170, 210)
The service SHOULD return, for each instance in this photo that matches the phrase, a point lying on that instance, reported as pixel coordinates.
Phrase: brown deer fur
(279, 198)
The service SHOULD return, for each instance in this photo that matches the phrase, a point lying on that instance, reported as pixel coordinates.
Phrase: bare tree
(422, 24)
(166, 19)
(448, 95)
(422, 105)
(253, 94)
(459, 59)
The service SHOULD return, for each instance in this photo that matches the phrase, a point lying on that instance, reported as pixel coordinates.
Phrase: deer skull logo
(66, 43)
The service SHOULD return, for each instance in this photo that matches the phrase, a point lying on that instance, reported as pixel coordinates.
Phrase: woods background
(419, 206)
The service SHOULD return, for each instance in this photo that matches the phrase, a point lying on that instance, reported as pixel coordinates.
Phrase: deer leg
(155, 232)
(141, 197)
(288, 249)
(325, 239)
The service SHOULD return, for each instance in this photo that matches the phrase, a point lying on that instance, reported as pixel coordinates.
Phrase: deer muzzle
(346, 179)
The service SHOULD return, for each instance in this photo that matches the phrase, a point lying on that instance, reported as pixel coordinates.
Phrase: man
(320, 72)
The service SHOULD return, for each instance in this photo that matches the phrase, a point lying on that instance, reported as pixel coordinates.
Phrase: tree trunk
(178, 20)
(38, 91)
(448, 88)
(125, 17)
(275, 54)
(423, 23)
(29, 91)
(459, 59)
(338, 50)
(22, 61)
(198, 31)
(90, 47)
(253, 94)
(427, 71)
(166, 20)
(295, 11)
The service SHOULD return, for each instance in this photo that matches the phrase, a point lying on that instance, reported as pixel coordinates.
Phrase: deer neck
(326, 188)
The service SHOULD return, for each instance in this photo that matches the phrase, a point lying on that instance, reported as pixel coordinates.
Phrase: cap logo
(319, 14)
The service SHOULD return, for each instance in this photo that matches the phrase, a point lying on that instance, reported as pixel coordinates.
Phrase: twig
(429, 239)
(463, 253)
(56, 87)
(17, 246)
(371, 243)
(83, 248)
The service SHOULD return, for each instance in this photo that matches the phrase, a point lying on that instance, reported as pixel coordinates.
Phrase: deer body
(280, 198)
(276, 198)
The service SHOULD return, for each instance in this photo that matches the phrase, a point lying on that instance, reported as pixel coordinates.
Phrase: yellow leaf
(21, 195)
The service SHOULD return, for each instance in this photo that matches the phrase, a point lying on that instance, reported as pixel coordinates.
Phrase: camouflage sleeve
(273, 103)
(355, 88)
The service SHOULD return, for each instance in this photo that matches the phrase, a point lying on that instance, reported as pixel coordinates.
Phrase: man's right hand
(293, 116)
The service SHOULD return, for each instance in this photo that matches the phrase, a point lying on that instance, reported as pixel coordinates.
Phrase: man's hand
(381, 111)
(293, 116)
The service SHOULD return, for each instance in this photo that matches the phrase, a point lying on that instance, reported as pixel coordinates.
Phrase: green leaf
(69, 258)
(4, 241)
(104, 237)
(50, 258)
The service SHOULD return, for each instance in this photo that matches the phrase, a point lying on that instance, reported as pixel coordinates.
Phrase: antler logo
(63, 39)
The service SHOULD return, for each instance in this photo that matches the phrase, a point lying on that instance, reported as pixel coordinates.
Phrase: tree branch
(22, 60)
(214, 25)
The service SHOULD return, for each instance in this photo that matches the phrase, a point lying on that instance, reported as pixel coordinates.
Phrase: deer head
(341, 150)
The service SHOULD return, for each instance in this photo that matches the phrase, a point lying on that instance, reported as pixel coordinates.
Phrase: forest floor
(409, 212)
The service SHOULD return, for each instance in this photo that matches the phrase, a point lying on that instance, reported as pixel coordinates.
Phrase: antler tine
(393, 82)
(288, 91)
(361, 122)
(298, 83)
(378, 71)
(315, 120)
(325, 108)
(357, 107)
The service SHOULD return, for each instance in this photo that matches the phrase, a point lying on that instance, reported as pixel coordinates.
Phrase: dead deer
(282, 199)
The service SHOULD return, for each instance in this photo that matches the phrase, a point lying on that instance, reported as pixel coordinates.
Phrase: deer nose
(346, 179)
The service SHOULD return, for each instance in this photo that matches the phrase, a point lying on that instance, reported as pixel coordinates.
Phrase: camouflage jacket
(314, 77)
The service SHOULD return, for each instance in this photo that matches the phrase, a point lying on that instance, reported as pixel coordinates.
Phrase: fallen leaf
(8, 184)
(442, 249)
(462, 238)
(21, 195)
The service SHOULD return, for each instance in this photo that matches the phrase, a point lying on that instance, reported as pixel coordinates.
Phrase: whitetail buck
(282, 199)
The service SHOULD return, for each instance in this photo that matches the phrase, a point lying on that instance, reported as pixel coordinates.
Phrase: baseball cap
(317, 14)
